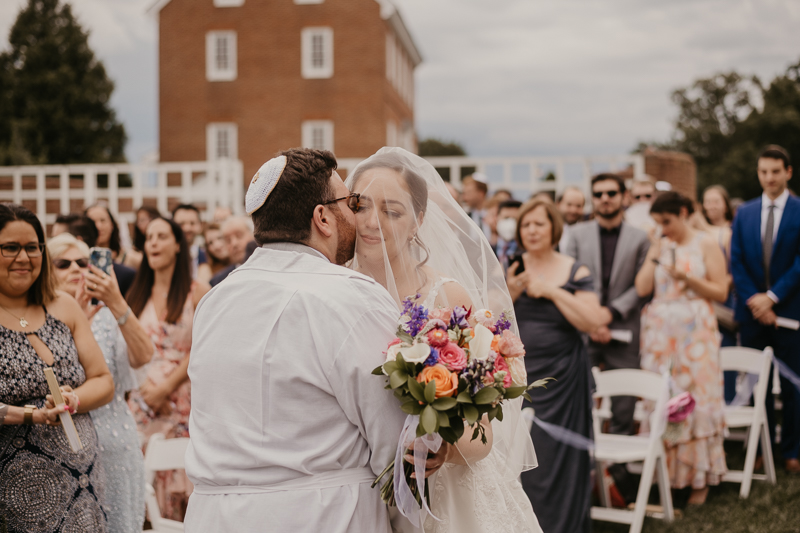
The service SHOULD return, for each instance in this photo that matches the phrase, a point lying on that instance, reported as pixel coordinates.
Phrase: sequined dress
(44, 485)
(116, 433)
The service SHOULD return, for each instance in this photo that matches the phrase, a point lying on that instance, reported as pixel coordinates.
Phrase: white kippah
(263, 182)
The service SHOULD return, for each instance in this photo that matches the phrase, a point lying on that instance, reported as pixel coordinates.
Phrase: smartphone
(101, 258)
(518, 259)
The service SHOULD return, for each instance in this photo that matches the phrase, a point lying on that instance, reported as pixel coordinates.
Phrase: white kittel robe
(288, 426)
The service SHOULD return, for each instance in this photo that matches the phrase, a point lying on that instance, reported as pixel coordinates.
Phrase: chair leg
(602, 486)
(664, 489)
(750, 458)
(766, 446)
(645, 483)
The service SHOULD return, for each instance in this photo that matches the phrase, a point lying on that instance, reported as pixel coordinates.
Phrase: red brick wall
(269, 99)
(677, 168)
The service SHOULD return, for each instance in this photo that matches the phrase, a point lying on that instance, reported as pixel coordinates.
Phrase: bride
(415, 240)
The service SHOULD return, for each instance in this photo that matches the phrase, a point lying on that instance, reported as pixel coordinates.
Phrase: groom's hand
(434, 462)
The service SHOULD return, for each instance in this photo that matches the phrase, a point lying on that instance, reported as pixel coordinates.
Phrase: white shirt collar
(780, 201)
(295, 247)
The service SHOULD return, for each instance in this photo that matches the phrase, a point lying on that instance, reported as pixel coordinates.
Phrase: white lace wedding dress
(485, 496)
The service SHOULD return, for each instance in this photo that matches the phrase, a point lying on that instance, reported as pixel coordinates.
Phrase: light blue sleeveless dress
(120, 452)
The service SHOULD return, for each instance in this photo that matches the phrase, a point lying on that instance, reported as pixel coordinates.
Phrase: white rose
(479, 346)
(416, 353)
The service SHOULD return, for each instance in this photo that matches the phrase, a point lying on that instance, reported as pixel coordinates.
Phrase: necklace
(22, 321)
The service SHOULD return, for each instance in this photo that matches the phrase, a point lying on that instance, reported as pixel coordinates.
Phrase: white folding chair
(753, 418)
(162, 454)
(648, 449)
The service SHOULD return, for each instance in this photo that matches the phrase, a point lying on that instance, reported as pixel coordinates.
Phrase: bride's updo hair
(415, 185)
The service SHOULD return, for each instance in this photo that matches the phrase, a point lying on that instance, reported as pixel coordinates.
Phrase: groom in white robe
(288, 426)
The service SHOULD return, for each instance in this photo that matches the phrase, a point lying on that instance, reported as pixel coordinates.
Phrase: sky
(510, 77)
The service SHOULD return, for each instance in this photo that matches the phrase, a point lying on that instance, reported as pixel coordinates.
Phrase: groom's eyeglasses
(353, 200)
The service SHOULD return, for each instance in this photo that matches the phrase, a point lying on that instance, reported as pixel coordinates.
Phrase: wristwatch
(124, 318)
(29, 409)
(3, 413)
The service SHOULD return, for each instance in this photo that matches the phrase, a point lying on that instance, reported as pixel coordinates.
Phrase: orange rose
(446, 381)
(495, 344)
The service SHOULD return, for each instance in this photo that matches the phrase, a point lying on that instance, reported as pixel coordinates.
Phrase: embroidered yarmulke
(263, 182)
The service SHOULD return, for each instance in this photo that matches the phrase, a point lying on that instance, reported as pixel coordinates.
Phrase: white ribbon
(406, 503)
(562, 434)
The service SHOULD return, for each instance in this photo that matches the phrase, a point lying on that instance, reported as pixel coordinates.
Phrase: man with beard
(570, 205)
(288, 426)
(614, 251)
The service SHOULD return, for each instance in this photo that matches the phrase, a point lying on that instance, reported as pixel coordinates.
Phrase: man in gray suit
(614, 252)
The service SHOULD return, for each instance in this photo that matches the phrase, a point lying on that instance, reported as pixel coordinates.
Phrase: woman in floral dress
(686, 269)
(164, 297)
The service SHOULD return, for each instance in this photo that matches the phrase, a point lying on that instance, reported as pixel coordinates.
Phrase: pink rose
(500, 365)
(442, 313)
(438, 338)
(510, 345)
(679, 407)
(453, 357)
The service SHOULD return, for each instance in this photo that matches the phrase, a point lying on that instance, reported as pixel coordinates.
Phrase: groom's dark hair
(303, 185)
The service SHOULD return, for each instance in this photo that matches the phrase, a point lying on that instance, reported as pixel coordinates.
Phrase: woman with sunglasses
(125, 345)
(45, 486)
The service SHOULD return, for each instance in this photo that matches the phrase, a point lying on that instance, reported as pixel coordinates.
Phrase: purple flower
(502, 324)
(475, 373)
(433, 358)
(417, 315)
(459, 318)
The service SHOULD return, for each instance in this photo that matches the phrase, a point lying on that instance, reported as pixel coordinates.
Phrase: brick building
(246, 78)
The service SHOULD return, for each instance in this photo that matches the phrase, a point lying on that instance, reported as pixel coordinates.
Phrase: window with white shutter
(221, 56)
(222, 141)
(318, 134)
(317, 52)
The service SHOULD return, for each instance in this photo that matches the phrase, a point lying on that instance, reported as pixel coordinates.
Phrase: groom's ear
(321, 221)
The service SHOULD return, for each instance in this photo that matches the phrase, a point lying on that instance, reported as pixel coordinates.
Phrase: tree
(54, 93)
(724, 121)
(436, 147)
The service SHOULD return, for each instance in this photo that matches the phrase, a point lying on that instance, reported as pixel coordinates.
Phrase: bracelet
(124, 318)
(28, 418)
(3, 413)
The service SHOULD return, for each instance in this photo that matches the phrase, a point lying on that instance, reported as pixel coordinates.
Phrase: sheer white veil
(414, 238)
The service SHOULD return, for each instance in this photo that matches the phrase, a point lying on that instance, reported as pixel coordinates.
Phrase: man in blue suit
(765, 262)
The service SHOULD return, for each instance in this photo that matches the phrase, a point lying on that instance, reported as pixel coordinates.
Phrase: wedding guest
(614, 251)
(164, 298)
(108, 237)
(46, 487)
(685, 271)
(216, 249)
(555, 303)
(718, 216)
(765, 248)
(188, 218)
(490, 221)
(643, 190)
(144, 215)
(221, 214)
(125, 345)
(61, 225)
(502, 195)
(473, 193)
(238, 232)
(570, 204)
(507, 215)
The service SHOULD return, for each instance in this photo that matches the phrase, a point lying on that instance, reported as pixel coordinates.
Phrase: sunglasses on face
(611, 194)
(353, 201)
(647, 196)
(12, 249)
(63, 264)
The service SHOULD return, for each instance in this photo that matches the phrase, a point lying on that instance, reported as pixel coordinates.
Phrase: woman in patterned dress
(44, 485)
(125, 345)
(163, 297)
(686, 269)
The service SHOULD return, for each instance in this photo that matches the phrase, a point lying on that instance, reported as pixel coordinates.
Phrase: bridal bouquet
(448, 367)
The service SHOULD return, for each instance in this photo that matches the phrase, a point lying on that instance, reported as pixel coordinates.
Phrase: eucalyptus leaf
(430, 391)
(428, 420)
(412, 408)
(389, 367)
(486, 395)
(416, 390)
(458, 429)
(448, 435)
(443, 404)
(404, 336)
(464, 397)
(540, 383)
(444, 421)
(399, 359)
(397, 379)
(514, 392)
(471, 413)
(378, 371)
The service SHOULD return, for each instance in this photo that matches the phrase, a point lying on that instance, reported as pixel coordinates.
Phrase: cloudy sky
(511, 77)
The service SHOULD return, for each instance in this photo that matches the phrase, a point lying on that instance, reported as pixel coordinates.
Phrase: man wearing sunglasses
(643, 190)
(614, 251)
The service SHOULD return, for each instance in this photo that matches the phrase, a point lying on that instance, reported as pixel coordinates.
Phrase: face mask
(507, 229)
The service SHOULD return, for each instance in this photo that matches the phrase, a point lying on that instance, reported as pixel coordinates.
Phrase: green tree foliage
(436, 147)
(54, 93)
(724, 121)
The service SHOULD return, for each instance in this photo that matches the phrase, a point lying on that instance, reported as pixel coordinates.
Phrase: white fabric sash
(324, 480)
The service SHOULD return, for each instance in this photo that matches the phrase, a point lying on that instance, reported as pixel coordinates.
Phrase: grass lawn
(769, 509)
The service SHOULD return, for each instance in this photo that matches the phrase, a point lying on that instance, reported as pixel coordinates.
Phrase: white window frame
(317, 52)
(228, 3)
(213, 70)
(318, 134)
(222, 132)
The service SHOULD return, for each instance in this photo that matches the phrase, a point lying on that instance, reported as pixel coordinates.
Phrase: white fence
(51, 190)
(56, 189)
(524, 176)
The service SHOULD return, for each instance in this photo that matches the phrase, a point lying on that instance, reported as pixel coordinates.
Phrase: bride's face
(385, 215)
